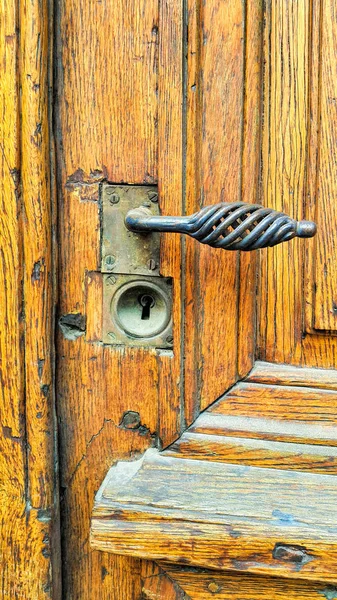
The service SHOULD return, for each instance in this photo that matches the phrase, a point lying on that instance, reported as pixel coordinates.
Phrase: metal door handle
(232, 226)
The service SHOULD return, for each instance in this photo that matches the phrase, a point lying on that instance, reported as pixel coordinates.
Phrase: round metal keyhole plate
(141, 309)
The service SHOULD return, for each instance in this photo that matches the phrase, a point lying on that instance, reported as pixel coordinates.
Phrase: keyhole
(147, 302)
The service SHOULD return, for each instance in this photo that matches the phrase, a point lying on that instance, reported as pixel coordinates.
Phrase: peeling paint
(297, 555)
(329, 593)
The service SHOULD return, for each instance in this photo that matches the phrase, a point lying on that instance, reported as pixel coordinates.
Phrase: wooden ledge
(220, 516)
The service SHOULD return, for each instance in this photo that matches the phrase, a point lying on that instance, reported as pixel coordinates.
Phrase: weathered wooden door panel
(120, 118)
(30, 558)
(216, 100)
(281, 418)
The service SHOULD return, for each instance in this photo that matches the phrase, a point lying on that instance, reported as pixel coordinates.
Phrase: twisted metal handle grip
(232, 226)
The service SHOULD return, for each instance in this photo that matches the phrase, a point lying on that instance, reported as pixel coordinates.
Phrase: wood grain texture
(157, 585)
(29, 536)
(207, 585)
(290, 146)
(265, 428)
(115, 73)
(270, 373)
(258, 447)
(325, 275)
(284, 140)
(287, 403)
(251, 158)
(251, 519)
(119, 118)
(312, 162)
(220, 46)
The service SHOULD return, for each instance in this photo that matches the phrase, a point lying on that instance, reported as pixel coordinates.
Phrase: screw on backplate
(169, 339)
(153, 196)
(146, 204)
(112, 335)
(109, 261)
(151, 264)
(111, 280)
(109, 191)
(114, 199)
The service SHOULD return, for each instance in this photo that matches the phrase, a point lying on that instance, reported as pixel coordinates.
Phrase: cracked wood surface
(29, 510)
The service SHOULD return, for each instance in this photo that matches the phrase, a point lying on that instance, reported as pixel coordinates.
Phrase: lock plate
(123, 251)
(137, 311)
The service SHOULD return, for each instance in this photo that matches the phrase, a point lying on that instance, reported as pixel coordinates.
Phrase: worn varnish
(29, 510)
(250, 519)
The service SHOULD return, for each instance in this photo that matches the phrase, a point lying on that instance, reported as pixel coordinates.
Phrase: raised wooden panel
(272, 425)
(285, 403)
(292, 180)
(239, 442)
(266, 454)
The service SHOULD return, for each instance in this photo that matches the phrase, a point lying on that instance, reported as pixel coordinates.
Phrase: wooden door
(208, 101)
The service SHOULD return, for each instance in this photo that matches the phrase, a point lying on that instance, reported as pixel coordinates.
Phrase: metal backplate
(127, 321)
(123, 251)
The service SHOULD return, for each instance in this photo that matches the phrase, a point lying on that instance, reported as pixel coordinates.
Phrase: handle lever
(232, 226)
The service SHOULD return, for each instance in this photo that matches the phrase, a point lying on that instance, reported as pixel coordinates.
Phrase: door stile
(30, 539)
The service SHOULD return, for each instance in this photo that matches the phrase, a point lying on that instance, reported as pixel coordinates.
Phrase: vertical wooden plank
(29, 540)
(250, 180)
(215, 92)
(110, 127)
(325, 307)
(12, 439)
(313, 152)
(222, 112)
(37, 228)
(284, 142)
(193, 145)
(170, 178)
